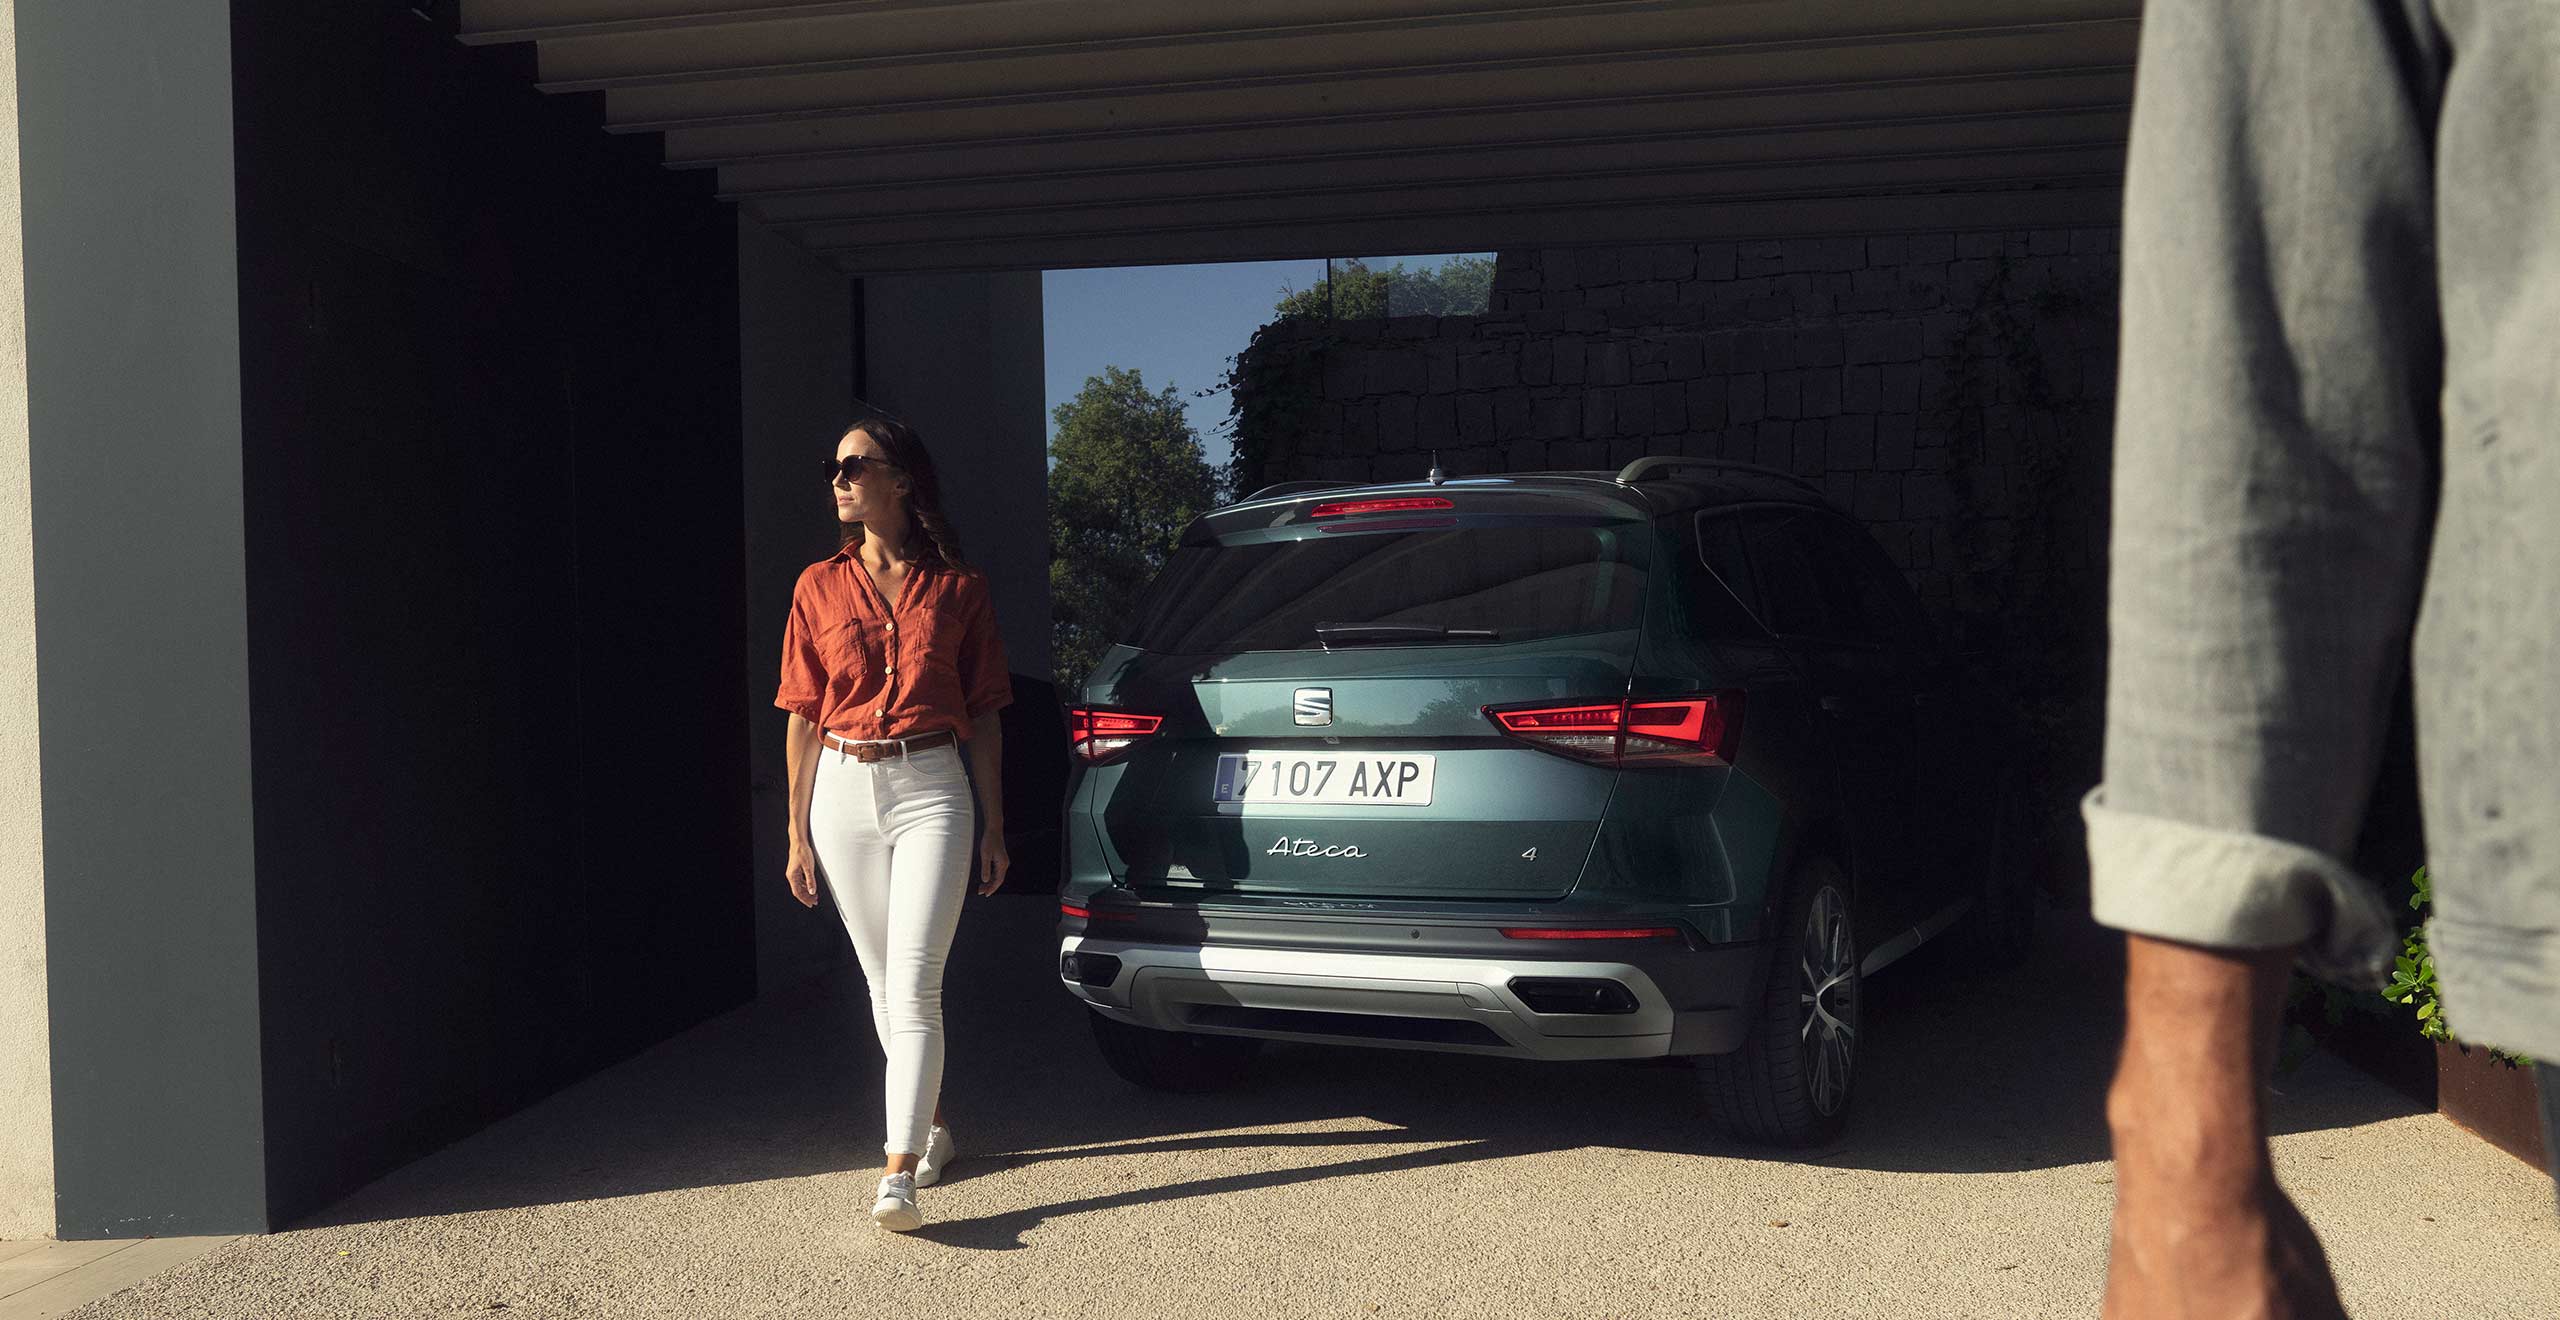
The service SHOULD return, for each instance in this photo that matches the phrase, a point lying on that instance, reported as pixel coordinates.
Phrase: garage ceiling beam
(1605, 165)
(1169, 40)
(1308, 77)
(1280, 114)
(1847, 176)
(1121, 32)
(984, 134)
(1593, 126)
(1718, 220)
(487, 22)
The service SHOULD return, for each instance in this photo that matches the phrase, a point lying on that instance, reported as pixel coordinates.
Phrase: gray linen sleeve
(2274, 439)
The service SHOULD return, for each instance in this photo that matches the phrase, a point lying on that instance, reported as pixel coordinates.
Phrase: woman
(890, 664)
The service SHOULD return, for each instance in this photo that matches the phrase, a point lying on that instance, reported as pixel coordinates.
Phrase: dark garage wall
(495, 561)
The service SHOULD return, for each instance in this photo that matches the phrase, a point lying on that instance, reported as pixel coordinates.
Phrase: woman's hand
(800, 742)
(802, 872)
(993, 860)
(986, 771)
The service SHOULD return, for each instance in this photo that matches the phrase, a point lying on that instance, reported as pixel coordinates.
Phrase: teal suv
(1649, 764)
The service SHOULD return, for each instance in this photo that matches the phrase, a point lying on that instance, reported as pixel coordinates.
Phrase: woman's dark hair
(927, 529)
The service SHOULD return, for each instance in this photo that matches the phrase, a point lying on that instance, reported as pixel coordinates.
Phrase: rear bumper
(1686, 1001)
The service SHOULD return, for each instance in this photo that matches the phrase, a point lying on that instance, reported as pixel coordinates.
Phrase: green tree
(1357, 291)
(1126, 476)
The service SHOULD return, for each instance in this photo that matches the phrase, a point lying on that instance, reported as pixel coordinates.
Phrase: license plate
(1325, 779)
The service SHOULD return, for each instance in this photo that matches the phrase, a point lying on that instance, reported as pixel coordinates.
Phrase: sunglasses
(853, 466)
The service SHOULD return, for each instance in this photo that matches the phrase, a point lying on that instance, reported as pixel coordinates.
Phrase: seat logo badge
(1288, 847)
(1315, 706)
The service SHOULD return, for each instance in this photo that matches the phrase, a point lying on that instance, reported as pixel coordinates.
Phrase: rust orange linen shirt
(930, 660)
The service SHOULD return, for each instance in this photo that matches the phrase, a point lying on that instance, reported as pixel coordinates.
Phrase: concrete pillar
(130, 506)
(26, 1072)
(959, 357)
(795, 348)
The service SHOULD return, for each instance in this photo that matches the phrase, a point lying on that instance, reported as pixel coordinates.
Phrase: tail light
(1099, 735)
(1068, 907)
(1639, 731)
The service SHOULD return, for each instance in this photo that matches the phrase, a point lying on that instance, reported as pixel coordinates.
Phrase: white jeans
(893, 840)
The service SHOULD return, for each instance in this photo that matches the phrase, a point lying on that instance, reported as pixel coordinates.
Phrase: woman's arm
(986, 765)
(800, 746)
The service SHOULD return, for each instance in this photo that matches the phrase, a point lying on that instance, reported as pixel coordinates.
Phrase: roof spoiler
(1294, 488)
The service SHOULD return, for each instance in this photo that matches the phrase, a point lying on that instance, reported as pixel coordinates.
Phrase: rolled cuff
(804, 707)
(2228, 889)
(2499, 985)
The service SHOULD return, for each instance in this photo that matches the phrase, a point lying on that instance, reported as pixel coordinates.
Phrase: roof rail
(1293, 488)
(1645, 468)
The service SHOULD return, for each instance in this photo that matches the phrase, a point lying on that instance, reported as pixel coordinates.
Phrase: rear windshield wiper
(1387, 634)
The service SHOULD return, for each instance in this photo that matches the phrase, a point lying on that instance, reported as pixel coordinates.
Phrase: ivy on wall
(2030, 558)
(1276, 392)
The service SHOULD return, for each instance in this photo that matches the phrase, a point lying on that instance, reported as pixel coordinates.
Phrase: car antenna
(1437, 476)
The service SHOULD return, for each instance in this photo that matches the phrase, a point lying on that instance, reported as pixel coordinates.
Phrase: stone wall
(1951, 390)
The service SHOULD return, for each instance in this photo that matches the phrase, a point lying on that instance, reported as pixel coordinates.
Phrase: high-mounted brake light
(1643, 731)
(1098, 734)
(1399, 504)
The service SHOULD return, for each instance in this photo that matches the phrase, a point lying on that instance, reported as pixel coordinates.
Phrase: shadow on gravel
(1004, 1232)
(1962, 1073)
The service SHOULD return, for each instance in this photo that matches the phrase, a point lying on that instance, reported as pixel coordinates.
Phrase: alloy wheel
(1828, 993)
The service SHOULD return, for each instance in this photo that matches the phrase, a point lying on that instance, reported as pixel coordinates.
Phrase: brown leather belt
(889, 749)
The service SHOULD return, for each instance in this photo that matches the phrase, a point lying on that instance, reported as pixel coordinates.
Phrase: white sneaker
(895, 1210)
(938, 1154)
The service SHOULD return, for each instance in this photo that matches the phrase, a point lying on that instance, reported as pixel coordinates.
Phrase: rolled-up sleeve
(804, 676)
(986, 684)
(2275, 424)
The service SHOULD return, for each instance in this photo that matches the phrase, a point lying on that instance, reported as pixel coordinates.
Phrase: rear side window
(1721, 605)
(1524, 583)
(1798, 591)
(1889, 614)
(1819, 576)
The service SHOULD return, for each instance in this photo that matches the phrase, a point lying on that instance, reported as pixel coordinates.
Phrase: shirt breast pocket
(950, 634)
(846, 649)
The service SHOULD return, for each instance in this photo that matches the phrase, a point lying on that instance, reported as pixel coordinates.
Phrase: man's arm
(2275, 428)
(2276, 417)
(2201, 1228)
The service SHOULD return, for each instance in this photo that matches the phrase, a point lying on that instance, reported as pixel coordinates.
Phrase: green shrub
(2413, 976)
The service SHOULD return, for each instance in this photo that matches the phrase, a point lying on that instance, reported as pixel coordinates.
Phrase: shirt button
(880, 714)
(888, 669)
(892, 625)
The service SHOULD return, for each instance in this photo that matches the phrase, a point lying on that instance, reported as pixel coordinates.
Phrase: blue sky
(1173, 325)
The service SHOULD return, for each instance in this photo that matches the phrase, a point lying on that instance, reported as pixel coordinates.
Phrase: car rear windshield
(1520, 582)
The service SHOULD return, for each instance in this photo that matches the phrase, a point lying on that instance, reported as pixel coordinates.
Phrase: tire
(2000, 931)
(1178, 1061)
(1790, 1083)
